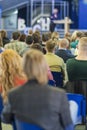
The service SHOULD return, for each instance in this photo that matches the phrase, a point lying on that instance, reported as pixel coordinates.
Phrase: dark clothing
(52, 24)
(64, 54)
(5, 40)
(42, 105)
(77, 74)
(77, 69)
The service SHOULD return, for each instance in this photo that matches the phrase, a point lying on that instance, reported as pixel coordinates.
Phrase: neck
(62, 48)
(82, 55)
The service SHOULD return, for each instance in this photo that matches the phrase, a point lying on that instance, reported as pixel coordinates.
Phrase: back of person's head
(49, 35)
(55, 35)
(22, 37)
(11, 68)
(80, 34)
(63, 43)
(37, 46)
(11, 62)
(82, 45)
(38, 32)
(45, 37)
(36, 38)
(35, 66)
(3, 33)
(76, 34)
(16, 35)
(85, 34)
(30, 32)
(29, 39)
(68, 36)
(50, 45)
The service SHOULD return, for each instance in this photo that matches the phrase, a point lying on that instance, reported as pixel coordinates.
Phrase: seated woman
(36, 102)
(11, 72)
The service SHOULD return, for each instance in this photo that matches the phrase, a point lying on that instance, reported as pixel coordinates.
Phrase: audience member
(76, 69)
(55, 36)
(45, 38)
(5, 39)
(1, 45)
(22, 38)
(75, 38)
(63, 51)
(30, 32)
(55, 62)
(37, 46)
(11, 71)
(15, 44)
(36, 102)
(36, 38)
(29, 42)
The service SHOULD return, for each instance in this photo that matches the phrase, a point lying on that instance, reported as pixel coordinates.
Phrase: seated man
(77, 69)
(55, 62)
(36, 102)
(63, 51)
(15, 44)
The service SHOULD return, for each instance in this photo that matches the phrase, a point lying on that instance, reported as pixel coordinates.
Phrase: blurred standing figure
(54, 16)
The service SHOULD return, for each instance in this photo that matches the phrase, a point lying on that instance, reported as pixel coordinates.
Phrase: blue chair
(20, 125)
(1, 107)
(52, 83)
(80, 100)
(1, 104)
(58, 77)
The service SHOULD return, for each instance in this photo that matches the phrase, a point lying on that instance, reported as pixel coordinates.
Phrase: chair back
(51, 83)
(20, 125)
(58, 77)
(80, 100)
(1, 104)
(1, 107)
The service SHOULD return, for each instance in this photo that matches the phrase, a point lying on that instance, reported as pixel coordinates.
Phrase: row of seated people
(52, 45)
(55, 63)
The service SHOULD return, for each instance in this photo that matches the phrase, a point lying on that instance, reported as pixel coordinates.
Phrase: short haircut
(36, 38)
(16, 35)
(63, 43)
(83, 44)
(29, 40)
(45, 37)
(22, 37)
(37, 46)
(50, 45)
(35, 66)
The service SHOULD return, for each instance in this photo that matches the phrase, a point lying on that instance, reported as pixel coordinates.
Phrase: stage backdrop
(82, 14)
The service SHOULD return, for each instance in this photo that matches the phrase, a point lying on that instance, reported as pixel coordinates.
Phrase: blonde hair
(76, 34)
(35, 66)
(3, 33)
(64, 43)
(50, 45)
(55, 35)
(11, 67)
(82, 45)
